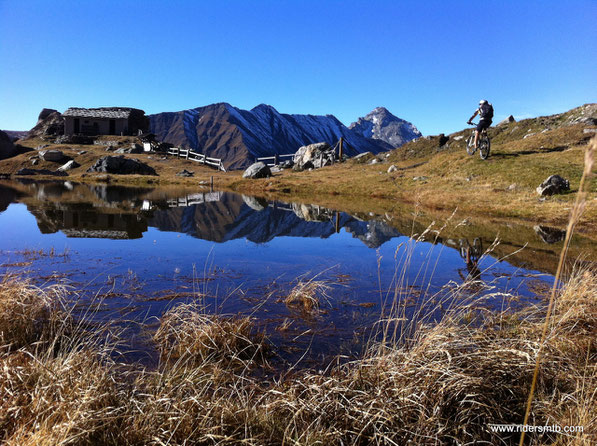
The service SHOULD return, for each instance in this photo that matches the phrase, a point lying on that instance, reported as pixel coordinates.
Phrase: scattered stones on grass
(555, 184)
(185, 173)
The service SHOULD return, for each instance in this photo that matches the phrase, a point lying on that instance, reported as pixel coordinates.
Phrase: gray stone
(313, 156)
(72, 164)
(419, 178)
(42, 146)
(528, 135)
(392, 168)
(35, 161)
(121, 166)
(52, 155)
(185, 173)
(374, 161)
(255, 203)
(555, 184)
(549, 235)
(458, 138)
(512, 186)
(506, 121)
(257, 170)
(361, 155)
(26, 171)
(589, 131)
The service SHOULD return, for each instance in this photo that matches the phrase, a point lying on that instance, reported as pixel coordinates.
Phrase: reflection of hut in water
(91, 224)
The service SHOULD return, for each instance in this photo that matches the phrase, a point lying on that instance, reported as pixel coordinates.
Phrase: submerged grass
(444, 386)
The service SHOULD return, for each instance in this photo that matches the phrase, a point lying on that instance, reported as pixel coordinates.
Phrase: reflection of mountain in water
(236, 217)
(120, 213)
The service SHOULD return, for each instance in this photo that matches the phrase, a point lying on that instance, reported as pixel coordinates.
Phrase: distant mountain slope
(382, 125)
(238, 136)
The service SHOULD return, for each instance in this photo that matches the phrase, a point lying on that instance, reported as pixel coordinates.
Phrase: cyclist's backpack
(487, 111)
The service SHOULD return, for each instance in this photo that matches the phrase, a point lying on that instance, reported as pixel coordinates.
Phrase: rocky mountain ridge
(239, 136)
(382, 125)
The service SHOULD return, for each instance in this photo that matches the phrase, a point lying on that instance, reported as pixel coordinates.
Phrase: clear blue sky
(427, 62)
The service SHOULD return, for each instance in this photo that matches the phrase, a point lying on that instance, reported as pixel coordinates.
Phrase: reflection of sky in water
(161, 262)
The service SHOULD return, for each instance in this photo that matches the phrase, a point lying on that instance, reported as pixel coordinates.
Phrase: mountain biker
(485, 111)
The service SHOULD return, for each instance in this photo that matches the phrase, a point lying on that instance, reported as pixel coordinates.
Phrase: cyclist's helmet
(482, 101)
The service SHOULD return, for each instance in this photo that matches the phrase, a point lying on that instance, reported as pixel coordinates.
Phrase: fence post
(341, 148)
(276, 159)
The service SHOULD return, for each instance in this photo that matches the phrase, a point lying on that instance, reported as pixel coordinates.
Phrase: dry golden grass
(443, 386)
(188, 334)
(308, 295)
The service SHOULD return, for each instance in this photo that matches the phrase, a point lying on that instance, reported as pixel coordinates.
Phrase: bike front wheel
(484, 147)
(470, 145)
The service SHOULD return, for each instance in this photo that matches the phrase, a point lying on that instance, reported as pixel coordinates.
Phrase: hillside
(446, 178)
(239, 136)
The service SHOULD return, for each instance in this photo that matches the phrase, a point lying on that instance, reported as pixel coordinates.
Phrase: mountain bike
(484, 144)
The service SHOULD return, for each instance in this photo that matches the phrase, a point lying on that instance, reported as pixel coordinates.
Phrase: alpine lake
(127, 255)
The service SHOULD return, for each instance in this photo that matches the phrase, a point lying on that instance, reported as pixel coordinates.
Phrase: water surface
(147, 249)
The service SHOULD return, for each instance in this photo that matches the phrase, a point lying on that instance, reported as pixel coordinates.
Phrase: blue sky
(427, 62)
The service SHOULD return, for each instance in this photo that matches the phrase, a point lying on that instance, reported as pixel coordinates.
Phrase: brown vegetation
(442, 386)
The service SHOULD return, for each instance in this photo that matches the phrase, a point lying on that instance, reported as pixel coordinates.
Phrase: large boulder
(257, 170)
(50, 123)
(313, 156)
(51, 155)
(555, 184)
(120, 165)
(26, 171)
(72, 164)
(7, 148)
(506, 121)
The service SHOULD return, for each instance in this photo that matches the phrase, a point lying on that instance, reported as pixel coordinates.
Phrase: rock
(374, 161)
(512, 186)
(51, 155)
(392, 168)
(555, 184)
(82, 152)
(44, 113)
(7, 148)
(26, 171)
(528, 135)
(255, 203)
(72, 164)
(35, 161)
(121, 166)
(360, 156)
(419, 178)
(313, 156)
(134, 148)
(458, 138)
(49, 123)
(257, 170)
(506, 121)
(41, 147)
(549, 235)
(185, 173)
(589, 131)
(286, 164)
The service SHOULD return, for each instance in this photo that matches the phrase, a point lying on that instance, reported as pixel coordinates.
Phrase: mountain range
(239, 136)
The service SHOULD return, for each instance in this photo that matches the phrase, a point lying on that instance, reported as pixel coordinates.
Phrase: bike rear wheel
(484, 147)
(470, 145)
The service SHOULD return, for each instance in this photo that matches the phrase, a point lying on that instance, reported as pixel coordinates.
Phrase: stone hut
(105, 121)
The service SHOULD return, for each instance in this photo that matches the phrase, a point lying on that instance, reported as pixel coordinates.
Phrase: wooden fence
(197, 157)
